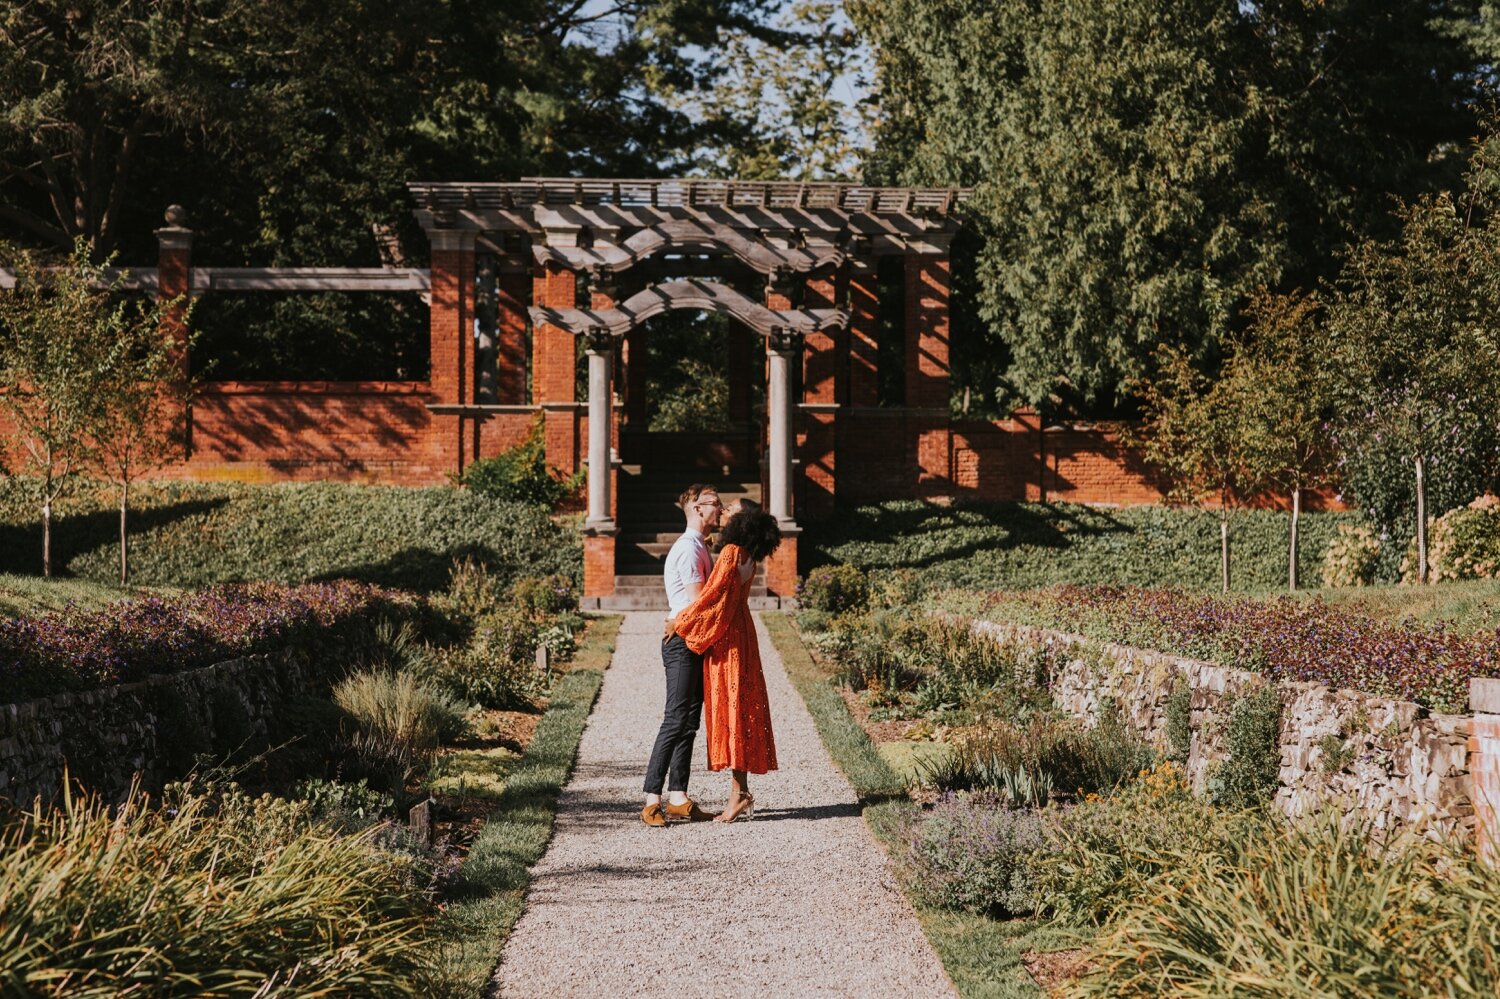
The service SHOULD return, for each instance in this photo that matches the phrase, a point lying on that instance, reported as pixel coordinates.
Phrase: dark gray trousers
(672, 756)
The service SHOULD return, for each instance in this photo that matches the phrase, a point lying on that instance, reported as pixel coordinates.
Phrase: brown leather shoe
(688, 811)
(652, 815)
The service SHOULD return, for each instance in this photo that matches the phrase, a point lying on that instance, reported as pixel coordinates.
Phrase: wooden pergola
(591, 260)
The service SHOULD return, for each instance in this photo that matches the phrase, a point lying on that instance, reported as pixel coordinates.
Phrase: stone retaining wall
(154, 727)
(1393, 761)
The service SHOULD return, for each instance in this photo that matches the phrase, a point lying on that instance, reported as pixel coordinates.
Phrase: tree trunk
(124, 563)
(1291, 565)
(1224, 551)
(1421, 468)
(47, 539)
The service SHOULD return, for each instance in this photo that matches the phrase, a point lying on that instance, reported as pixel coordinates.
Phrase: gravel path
(799, 901)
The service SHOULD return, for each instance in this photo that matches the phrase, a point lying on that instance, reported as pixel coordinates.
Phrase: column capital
(598, 340)
(784, 340)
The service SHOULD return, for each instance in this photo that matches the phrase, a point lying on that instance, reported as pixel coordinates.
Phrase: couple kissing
(712, 660)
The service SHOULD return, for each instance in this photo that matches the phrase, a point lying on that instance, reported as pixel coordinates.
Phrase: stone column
(783, 345)
(599, 529)
(600, 347)
(174, 283)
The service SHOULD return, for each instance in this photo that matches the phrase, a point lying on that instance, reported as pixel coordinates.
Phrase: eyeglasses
(715, 503)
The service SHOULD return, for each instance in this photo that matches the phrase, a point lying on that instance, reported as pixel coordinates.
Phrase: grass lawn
(22, 596)
(983, 956)
(1469, 605)
(492, 882)
(191, 534)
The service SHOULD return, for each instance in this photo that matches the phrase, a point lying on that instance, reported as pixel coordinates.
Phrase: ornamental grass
(213, 896)
(1323, 908)
(1286, 639)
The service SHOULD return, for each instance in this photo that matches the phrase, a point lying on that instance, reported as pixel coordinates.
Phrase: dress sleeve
(705, 622)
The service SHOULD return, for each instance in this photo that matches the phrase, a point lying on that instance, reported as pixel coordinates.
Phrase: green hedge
(195, 534)
(1019, 545)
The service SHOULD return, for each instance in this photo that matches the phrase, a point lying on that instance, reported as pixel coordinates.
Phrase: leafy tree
(1288, 381)
(1412, 322)
(141, 398)
(1142, 167)
(773, 112)
(63, 332)
(1193, 431)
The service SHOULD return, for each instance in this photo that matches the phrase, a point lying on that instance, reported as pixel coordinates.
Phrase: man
(687, 568)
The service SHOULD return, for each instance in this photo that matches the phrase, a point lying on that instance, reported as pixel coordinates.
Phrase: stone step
(631, 602)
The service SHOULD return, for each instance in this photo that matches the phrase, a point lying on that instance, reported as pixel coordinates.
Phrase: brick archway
(587, 261)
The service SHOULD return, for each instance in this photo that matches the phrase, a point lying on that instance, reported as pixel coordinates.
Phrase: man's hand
(668, 627)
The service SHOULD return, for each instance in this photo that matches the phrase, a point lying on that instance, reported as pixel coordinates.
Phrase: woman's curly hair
(753, 530)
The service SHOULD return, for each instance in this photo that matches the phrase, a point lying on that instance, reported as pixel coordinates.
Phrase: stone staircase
(650, 522)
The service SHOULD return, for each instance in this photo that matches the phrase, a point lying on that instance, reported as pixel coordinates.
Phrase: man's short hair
(691, 493)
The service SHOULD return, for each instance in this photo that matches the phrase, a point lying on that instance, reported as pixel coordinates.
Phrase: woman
(718, 625)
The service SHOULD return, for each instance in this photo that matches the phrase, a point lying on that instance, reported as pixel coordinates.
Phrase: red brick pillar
(174, 283)
(1484, 765)
(822, 352)
(510, 336)
(554, 357)
(927, 287)
(451, 339)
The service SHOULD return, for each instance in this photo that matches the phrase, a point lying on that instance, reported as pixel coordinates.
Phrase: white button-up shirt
(687, 563)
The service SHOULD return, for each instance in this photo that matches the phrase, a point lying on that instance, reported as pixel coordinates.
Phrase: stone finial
(176, 215)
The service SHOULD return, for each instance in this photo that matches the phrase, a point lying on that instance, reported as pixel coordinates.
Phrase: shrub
(1324, 907)
(521, 474)
(1248, 777)
(473, 590)
(131, 639)
(1284, 638)
(972, 852)
(1462, 544)
(1102, 851)
(226, 896)
(1351, 557)
(1020, 545)
(346, 807)
(834, 588)
(496, 668)
(545, 596)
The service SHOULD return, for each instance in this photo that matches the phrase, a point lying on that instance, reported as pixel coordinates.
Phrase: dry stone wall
(155, 727)
(1393, 761)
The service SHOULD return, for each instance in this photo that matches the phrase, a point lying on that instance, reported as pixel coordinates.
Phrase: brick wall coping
(316, 388)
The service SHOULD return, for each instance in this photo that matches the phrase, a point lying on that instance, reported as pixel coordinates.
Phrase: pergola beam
(707, 296)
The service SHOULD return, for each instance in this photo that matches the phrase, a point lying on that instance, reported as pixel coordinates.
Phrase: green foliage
(834, 589)
(1412, 321)
(521, 474)
(211, 896)
(396, 716)
(195, 534)
(1352, 557)
(1022, 545)
(973, 853)
(496, 668)
(1103, 852)
(1028, 762)
(545, 596)
(1320, 908)
(1180, 722)
(1466, 542)
(1251, 772)
(1141, 168)
(346, 807)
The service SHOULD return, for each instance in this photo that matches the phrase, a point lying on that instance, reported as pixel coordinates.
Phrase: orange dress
(736, 712)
